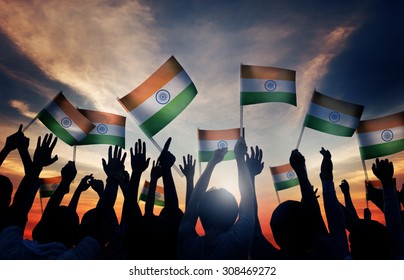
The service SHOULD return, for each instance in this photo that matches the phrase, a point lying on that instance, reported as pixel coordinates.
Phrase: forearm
(57, 197)
(335, 219)
(3, 154)
(75, 199)
(25, 158)
(170, 193)
(149, 207)
(245, 188)
(349, 204)
(189, 190)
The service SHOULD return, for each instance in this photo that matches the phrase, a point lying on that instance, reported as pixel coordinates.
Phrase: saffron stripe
(281, 169)
(220, 134)
(103, 117)
(155, 82)
(337, 105)
(265, 72)
(381, 123)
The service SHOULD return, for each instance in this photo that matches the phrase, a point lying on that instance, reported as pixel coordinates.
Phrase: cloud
(100, 49)
(23, 108)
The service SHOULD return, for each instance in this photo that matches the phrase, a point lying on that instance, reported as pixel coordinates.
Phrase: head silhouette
(60, 224)
(218, 209)
(370, 240)
(293, 227)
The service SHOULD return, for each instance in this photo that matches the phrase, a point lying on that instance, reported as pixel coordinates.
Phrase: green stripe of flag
(327, 127)
(382, 149)
(43, 194)
(166, 114)
(56, 128)
(143, 197)
(103, 139)
(205, 156)
(286, 184)
(247, 98)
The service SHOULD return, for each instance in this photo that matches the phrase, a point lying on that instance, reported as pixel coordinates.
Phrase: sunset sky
(96, 51)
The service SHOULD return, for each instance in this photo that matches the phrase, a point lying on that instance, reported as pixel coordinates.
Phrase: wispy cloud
(23, 108)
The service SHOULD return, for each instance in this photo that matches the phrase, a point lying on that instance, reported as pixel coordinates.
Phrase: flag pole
(300, 136)
(30, 123)
(277, 195)
(151, 138)
(74, 153)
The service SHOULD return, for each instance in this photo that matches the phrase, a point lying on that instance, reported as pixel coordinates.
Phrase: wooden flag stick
(277, 195)
(300, 137)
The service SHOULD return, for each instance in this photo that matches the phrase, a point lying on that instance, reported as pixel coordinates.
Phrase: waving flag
(211, 140)
(65, 121)
(109, 128)
(333, 116)
(381, 136)
(284, 177)
(260, 84)
(47, 186)
(159, 195)
(161, 98)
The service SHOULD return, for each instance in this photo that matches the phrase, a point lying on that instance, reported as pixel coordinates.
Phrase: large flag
(381, 136)
(284, 177)
(109, 128)
(47, 186)
(260, 84)
(211, 140)
(159, 195)
(333, 116)
(161, 98)
(65, 121)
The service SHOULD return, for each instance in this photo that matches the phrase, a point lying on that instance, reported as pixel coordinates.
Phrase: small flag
(381, 136)
(47, 186)
(109, 128)
(260, 84)
(65, 121)
(284, 177)
(159, 196)
(161, 98)
(333, 116)
(211, 140)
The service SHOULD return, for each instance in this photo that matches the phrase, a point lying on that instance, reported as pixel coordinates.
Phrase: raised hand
(115, 167)
(240, 149)
(139, 163)
(218, 155)
(97, 186)
(326, 166)
(13, 141)
(156, 172)
(254, 162)
(344, 186)
(85, 183)
(166, 158)
(43, 152)
(298, 162)
(69, 172)
(384, 170)
(188, 169)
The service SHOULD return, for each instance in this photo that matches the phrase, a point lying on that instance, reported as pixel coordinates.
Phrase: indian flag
(161, 98)
(260, 84)
(211, 140)
(158, 197)
(284, 177)
(333, 116)
(65, 121)
(109, 128)
(381, 136)
(47, 186)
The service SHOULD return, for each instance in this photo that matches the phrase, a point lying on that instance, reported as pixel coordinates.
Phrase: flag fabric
(65, 121)
(211, 140)
(381, 136)
(284, 177)
(333, 116)
(109, 128)
(159, 195)
(161, 98)
(260, 84)
(47, 186)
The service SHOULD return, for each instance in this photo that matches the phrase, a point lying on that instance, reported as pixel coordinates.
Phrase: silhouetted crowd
(231, 230)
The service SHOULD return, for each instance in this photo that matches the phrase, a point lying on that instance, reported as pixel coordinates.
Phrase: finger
(183, 159)
(52, 146)
(110, 153)
(104, 163)
(20, 128)
(123, 157)
(260, 155)
(53, 160)
(38, 142)
(131, 152)
(144, 147)
(167, 144)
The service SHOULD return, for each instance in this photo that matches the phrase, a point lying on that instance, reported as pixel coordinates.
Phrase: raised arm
(384, 170)
(298, 163)
(333, 210)
(191, 213)
(166, 161)
(25, 194)
(139, 162)
(188, 169)
(20, 142)
(82, 187)
(154, 176)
